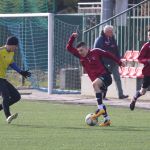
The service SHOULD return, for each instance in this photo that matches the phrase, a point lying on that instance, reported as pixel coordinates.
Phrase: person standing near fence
(9, 93)
(108, 43)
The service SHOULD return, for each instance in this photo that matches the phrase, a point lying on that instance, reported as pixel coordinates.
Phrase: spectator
(108, 43)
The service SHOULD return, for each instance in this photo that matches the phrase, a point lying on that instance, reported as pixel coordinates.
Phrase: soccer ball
(89, 121)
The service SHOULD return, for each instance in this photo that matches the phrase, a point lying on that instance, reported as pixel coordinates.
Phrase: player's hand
(25, 73)
(74, 34)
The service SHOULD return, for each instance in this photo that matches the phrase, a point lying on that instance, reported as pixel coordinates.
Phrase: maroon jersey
(144, 58)
(92, 62)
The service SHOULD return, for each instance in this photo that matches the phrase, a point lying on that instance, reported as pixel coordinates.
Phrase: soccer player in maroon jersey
(101, 79)
(144, 58)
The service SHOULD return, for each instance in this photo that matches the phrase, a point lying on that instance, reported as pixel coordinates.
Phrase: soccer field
(47, 126)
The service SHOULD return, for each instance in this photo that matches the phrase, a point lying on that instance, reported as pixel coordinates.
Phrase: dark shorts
(107, 81)
(146, 82)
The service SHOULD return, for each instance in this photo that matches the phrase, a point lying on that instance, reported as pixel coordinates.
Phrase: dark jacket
(109, 45)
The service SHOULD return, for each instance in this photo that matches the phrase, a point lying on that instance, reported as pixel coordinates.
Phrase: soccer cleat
(105, 123)
(98, 113)
(10, 118)
(132, 105)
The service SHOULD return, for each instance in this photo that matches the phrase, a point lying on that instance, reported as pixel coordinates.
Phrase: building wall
(129, 87)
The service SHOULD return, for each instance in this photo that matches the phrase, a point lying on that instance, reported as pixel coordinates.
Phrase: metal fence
(130, 27)
(89, 7)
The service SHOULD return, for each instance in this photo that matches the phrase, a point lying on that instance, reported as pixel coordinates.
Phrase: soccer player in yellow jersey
(9, 93)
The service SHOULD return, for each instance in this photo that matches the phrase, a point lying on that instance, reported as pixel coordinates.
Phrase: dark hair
(80, 44)
(12, 40)
(148, 30)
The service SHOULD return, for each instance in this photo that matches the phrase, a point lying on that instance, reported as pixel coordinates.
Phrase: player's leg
(139, 93)
(100, 85)
(5, 96)
(98, 92)
(142, 91)
(104, 91)
(14, 95)
(104, 95)
(6, 101)
(107, 81)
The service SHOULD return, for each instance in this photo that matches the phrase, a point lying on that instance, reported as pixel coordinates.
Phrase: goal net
(42, 44)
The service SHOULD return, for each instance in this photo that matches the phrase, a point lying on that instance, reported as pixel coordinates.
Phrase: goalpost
(9, 21)
(42, 49)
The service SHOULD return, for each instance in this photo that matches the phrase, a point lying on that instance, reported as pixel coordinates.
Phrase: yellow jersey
(6, 58)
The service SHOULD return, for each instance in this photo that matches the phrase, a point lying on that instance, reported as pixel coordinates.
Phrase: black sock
(99, 101)
(1, 107)
(104, 94)
(105, 115)
(137, 95)
(99, 98)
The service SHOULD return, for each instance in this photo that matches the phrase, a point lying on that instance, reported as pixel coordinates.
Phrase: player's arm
(142, 55)
(110, 56)
(25, 73)
(70, 47)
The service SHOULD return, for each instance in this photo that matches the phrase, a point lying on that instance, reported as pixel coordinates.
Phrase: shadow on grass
(32, 126)
(129, 128)
(114, 128)
(47, 127)
(91, 128)
(53, 127)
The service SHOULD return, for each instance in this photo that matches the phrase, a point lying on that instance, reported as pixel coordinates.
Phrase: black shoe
(132, 105)
(123, 96)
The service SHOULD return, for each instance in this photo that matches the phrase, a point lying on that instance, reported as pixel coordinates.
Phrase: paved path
(77, 99)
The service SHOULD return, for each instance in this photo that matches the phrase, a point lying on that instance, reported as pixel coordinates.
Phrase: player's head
(108, 30)
(12, 43)
(82, 48)
(148, 34)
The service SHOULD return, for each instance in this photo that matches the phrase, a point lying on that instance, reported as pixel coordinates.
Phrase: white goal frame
(50, 43)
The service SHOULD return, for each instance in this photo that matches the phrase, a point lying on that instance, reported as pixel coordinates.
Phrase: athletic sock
(105, 114)
(107, 118)
(1, 107)
(137, 95)
(100, 107)
(104, 94)
(99, 98)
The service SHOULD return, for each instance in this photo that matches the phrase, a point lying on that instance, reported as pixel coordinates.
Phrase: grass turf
(47, 126)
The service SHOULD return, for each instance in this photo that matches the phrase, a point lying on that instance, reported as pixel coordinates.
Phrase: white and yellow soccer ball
(90, 121)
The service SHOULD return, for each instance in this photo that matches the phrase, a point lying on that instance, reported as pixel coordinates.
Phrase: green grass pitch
(47, 126)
